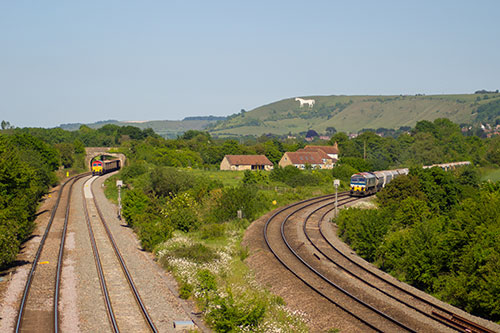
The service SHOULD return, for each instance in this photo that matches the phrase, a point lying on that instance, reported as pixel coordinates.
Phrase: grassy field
(490, 174)
(351, 113)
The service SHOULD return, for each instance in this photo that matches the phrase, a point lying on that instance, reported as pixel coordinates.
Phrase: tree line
(437, 231)
(27, 166)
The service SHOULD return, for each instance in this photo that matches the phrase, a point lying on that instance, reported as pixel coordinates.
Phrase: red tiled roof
(306, 157)
(248, 160)
(327, 149)
(321, 153)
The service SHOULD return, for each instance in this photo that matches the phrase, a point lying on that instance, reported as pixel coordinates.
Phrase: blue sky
(69, 61)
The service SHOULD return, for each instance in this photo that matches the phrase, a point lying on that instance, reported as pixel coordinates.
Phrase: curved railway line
(38, 309)
(424, 306)
(296, 237)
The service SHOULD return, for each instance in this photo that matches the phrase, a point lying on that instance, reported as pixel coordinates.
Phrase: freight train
(101, 167)
(366, 183)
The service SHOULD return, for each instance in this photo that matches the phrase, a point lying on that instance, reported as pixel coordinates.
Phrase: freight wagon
(101, 167)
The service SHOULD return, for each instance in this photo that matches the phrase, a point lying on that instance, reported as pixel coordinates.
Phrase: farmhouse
(245, 162)
(300, 159)
(331, 151)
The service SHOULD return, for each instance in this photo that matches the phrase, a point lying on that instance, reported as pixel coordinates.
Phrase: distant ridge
(166, 128)
(342, 113)
(208, 118)
(355, 113)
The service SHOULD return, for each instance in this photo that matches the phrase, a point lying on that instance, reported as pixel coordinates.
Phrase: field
(491, 175)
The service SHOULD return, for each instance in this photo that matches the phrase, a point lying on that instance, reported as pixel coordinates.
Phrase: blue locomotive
(366, 183)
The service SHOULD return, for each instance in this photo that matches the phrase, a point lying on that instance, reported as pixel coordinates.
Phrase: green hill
(165, 128)
(354, 113)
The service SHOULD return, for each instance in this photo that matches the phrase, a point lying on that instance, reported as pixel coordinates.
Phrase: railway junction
(84, 271)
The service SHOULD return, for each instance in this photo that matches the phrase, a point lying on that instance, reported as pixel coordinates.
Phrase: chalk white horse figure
(309, 102)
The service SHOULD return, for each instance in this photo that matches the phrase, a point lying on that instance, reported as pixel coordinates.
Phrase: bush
(255, 177)
(185, 290)
(343, 172)
(9, 246)
(357, 163)
(228, 314)
(364, 230)
(132, 171)
(169, 181)
(212, 231)
(198, 253)
(134, 203)
(182, 212)
(152, 231)
(294, 177)
(232, 199)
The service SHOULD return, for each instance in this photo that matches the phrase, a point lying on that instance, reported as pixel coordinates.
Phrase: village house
(245, 162)
(301, 159)
(331, 151)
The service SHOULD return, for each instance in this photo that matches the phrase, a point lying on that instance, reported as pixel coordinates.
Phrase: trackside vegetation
(189, 218)
(438, 231)
(193, 216)
(27, 167)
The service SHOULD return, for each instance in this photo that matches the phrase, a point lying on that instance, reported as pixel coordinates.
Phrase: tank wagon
(366, 183)
(101, 167)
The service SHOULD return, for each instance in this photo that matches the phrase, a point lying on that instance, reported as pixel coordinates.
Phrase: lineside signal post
(119, 184)
(336, 184)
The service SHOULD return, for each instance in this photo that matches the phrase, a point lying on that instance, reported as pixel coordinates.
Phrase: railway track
(39, 306)
(305, 257)
(38, 310)
(124, 306)
(425, 306)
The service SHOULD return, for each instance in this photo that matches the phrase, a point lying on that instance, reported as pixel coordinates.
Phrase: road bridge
(91, 152)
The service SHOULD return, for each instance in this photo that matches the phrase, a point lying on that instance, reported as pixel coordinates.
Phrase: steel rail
(130, 280)
(102, 279)
(322, 198)
(60, 257)
(448, 323)
(331, 283)
(39, 251)
(304, 228)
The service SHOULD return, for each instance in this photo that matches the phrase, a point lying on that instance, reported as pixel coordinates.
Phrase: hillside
(353, 113)
(165, 128)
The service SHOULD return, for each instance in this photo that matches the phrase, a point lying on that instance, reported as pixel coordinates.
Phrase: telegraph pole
(336, 183)
(119, 184)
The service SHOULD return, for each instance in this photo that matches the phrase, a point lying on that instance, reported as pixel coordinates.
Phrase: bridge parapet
(91, 152)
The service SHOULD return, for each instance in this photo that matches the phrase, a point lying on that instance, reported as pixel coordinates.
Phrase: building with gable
(245, 162)
(317, 157)
(301, 159)
(331, 151)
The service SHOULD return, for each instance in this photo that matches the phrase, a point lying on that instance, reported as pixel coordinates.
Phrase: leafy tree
(330, 130)
(169, 182)
(66, 151)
